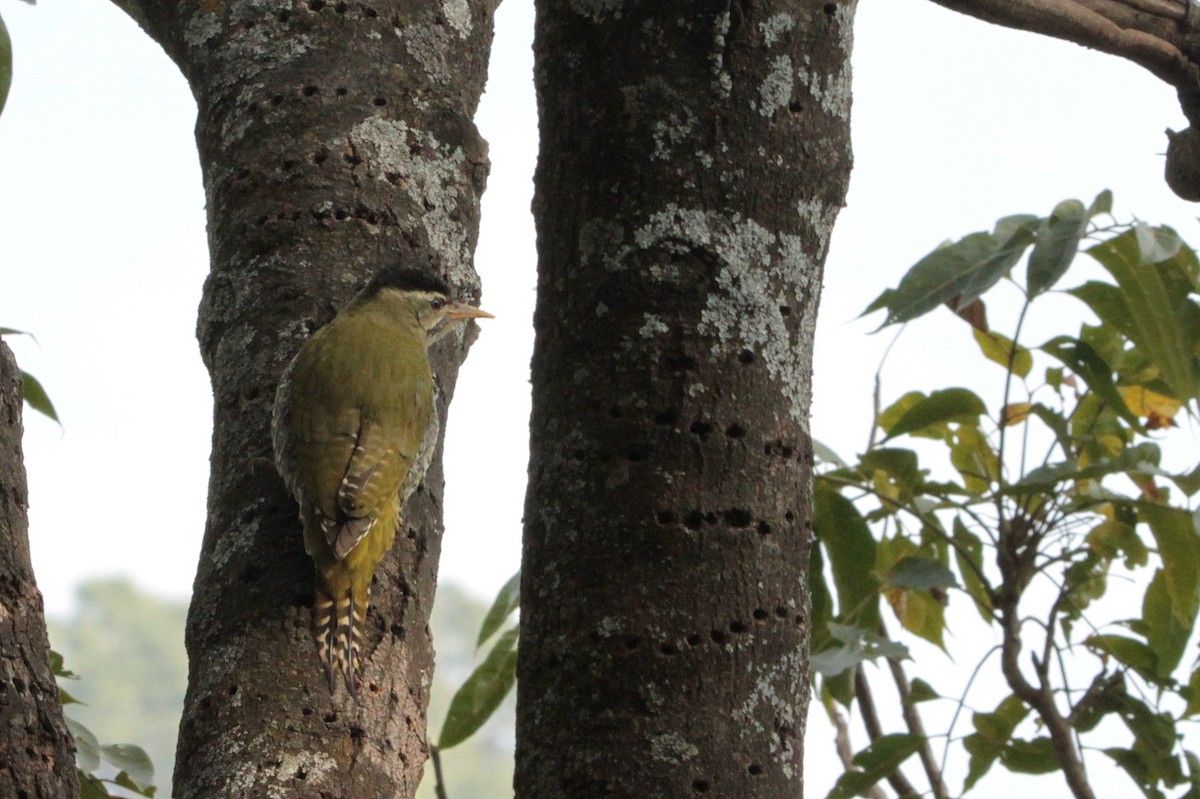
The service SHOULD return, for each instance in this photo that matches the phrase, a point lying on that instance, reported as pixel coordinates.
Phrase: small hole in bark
(694, 639)
(308, 711)
(595, 638)
(288, 164)
(637, 453)
(790, 516)
(738, 627)
(710, 517)
(745, 356)
(669, 650)
(760, 614)
(666, 417)
(678, 362)
(262, 220)
(763, 528)
(738, 517)
(786, 310)
(309, 91)
(342, 91)
(341, 8)
(781, 612)
(701, 428)
(693, 520)
(795, 107)
(330, 717)
(735, 430)
(665, 517)
(615, 411)
(316, 5)
(754, 769)
(277, 99)
(719, 636)
(357, 733)
(352, 159)
(700, 786)
(392, 177)
(320, 157)
(830, 9)
(300, 773)
(379, 101)
(371, 13)
(631, 642)
(284, 16)
(341, 215)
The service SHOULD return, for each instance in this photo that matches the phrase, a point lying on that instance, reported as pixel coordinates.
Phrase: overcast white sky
(103, 254)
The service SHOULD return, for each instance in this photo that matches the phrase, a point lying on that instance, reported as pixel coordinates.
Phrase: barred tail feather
(338, 628)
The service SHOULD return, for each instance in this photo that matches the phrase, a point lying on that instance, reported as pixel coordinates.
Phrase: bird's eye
(436, 303)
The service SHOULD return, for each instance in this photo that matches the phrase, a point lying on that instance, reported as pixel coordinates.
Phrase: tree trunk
(694, 157)
(37, 753)
(335, 137)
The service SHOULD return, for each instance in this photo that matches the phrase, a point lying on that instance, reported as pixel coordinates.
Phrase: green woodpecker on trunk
(354, 429)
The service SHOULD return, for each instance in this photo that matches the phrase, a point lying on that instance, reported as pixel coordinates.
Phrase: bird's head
(412, 293)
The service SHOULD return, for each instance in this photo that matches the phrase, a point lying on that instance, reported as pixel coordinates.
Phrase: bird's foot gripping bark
(338, 628)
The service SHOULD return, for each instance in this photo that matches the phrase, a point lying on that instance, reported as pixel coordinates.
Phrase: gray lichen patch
(775, 92)
(458, 14)
(203, 25)
(427, 171)
(773, 697)
(671, 747)
(760, 272)
(775, 26)
(428, 45)
(722, 81)
(832, 92)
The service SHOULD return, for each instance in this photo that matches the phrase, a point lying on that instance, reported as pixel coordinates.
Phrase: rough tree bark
(694, 156)
(37, 754)
(335, 137)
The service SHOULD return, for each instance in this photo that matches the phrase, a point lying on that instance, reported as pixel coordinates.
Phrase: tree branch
(845, 750)
(912, 719)
(1156, 34)
(866, 708)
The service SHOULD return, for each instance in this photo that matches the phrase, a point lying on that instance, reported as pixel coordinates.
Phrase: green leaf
(900, 465)
(921, 691)
(1058, 240)
(945, 405)
(92, 788)
(960, 271)
(857, 645)
(1156, 244)
(1153, 308)
(87, 748)
(507, 600)
(968, 555)
(36, 396)
(1101, 205)
(482, 693)
(133, 761)
(1128, 652)
(1084, 361)
(847, 540)
(1000, 349)
(881, 758)
(973, 456)
(5, 65)
(1175, 532)
(920, 574)
(1112, 537)
(1030, 757)
(993, 732)
(1165, 634)
(126, 782)
(824, 454)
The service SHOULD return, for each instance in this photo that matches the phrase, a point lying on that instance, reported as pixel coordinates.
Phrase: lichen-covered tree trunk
(37, 755)
(335, 137)
(694, 156)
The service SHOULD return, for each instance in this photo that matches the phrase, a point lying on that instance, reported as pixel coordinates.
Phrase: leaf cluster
(1053, 486)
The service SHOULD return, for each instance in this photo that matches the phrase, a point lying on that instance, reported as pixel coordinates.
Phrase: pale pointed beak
(460, 310)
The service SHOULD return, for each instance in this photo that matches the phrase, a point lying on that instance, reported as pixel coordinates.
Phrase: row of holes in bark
(682, 362)
(321, 156)
(703, 427)
(737, 518)
(311, 90)
(360, 212)
(719, 636)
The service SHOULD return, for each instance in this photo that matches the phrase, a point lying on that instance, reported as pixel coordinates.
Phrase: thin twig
(912, 718)
(439, 782)
(841, 740)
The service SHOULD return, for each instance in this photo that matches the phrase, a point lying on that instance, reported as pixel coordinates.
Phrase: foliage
(1044, 498)
(31, 387)
(135, 772)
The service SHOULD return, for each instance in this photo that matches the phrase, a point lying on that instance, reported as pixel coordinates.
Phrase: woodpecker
(354, 428)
